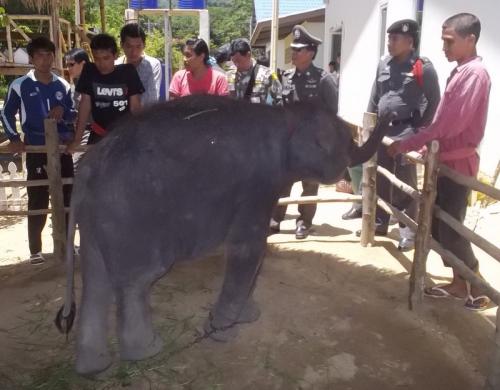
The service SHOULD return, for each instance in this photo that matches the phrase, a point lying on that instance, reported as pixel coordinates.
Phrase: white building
(355, 29)
(313, 20)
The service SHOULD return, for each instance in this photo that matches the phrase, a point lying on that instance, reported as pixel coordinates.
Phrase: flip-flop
(439, 292)
(479, 303)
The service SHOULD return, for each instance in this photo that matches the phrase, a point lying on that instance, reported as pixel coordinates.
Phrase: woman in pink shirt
(198, 77)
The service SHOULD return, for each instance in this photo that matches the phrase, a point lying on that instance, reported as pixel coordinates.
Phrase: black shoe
(353, 213)
(274, 227)
(380, 230)
(406, 244)
(302, 232)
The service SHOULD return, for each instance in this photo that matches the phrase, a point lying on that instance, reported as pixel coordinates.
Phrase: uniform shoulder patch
(425, 60)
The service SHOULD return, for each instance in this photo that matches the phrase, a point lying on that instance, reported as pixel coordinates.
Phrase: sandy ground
(334, 316)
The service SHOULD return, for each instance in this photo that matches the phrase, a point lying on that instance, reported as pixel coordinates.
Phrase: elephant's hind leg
(138, 340)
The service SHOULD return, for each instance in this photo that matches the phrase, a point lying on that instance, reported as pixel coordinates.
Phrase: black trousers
(407, 173)
(38, 197)
(452, 198)
(306, 211)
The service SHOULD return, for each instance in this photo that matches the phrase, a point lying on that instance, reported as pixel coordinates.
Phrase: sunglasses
(297, 49)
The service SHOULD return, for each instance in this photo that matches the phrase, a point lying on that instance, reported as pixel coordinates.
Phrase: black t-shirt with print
(109, 93)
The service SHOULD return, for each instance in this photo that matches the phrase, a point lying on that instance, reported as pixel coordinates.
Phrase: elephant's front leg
(92, 354)
(235, 304)
(135, 328)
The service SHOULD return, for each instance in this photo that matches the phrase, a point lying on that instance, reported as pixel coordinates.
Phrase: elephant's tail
(66, 315)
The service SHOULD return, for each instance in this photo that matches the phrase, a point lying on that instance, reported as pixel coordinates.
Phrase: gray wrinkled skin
(177, 181)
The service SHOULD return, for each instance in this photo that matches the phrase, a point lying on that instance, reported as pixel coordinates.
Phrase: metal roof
(264, 8)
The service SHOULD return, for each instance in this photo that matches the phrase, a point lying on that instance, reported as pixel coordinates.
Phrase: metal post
(274, 36)
(168, 41)
(424, 220)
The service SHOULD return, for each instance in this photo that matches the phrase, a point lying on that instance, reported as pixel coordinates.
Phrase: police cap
(406, 27)
(302, 38)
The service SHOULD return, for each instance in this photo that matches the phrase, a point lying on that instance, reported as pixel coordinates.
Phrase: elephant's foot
(249, 313)
(220, 334)
(137, 351)
(90, 363)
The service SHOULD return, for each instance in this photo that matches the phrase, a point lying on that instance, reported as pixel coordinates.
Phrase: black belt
(406, 121)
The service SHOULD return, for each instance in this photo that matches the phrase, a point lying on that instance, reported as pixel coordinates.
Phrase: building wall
(361, 49)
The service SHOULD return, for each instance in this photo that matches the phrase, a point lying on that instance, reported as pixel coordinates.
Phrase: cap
(405, 26)
(302, 38)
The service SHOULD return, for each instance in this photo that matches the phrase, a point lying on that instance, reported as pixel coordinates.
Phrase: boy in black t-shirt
(107, 90)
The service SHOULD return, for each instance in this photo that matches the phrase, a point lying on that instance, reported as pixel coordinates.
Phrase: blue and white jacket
(33, 100)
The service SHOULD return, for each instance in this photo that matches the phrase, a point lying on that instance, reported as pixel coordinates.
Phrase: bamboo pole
(55, 188)
(470, 182)
(398, 183)
(9, 42)
(429, 191)
(318, 199)
(368, 185)
(473, 237)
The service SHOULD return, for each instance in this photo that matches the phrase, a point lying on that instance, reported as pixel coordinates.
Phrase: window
(383, 26)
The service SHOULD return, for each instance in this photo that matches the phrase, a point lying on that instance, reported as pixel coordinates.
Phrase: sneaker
(37, 258)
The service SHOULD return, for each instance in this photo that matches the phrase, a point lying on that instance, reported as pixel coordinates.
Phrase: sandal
(479, 303)
(439, 292)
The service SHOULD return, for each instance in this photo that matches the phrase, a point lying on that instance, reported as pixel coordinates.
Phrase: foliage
(2, 17)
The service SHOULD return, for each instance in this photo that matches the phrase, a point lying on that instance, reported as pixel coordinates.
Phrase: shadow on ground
(326, 323)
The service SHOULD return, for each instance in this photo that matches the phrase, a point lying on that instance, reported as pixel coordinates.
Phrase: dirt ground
(334, 316)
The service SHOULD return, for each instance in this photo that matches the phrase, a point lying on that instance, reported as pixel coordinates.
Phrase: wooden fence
(423, 242)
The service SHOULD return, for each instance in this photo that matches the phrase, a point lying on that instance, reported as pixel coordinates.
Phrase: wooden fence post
(493, 378)
(368, 185)
(55, 188)
(423, 237)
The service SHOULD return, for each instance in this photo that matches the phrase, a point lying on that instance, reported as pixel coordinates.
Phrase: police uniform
(265, 88)
(411, 90)
(311, 85)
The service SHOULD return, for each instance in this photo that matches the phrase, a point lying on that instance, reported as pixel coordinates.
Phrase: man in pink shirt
(458, 125)
(198, 77)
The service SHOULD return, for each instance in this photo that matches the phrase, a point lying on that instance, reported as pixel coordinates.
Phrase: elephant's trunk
(360, 154)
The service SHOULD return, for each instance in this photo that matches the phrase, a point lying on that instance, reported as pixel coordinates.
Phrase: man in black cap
(305, 82)
(407, 85)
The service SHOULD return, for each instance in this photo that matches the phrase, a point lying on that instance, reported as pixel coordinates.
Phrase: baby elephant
(175, 182)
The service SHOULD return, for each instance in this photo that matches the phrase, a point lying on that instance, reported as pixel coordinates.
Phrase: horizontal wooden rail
(470, 182)
(31, 183)
(411, 156)
(42, 148)
(318, 199)
(410, 191)
(6, 213)
(473, 237)
(402, 217)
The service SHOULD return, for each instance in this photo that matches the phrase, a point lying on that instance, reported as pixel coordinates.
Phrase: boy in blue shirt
(38, 95)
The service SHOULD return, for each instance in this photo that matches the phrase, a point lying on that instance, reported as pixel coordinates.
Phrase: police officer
(305, 82)
(251, 81)
(407, 85)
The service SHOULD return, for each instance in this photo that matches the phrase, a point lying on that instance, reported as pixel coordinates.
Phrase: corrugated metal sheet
(264, 8)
